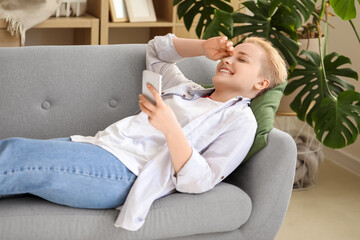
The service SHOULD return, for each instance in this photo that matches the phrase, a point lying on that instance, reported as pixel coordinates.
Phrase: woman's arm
(214, 48)
(163, 118)
(163, 52)
(161, 57)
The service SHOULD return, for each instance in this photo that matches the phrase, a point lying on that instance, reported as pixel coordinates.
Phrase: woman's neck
(222, 97)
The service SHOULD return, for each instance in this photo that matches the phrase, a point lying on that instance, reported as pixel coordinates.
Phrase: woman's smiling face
(240, 72)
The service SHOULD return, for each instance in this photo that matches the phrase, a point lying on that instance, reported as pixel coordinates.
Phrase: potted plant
(325, 101)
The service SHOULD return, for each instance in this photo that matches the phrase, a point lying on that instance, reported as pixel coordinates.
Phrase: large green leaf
(191, 13)
(337, 121)
(300, 10)
(189, 9)
(313, 87)
(276, 27)
(222, 23)
(344, 8)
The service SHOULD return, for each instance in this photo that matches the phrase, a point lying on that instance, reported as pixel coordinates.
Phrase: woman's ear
(262, 84)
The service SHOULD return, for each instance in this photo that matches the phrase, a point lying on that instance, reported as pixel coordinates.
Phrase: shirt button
(184, 95)
(162, 93)
(222, 177)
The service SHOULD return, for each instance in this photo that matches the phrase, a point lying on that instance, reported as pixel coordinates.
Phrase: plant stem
(322, 9)
(322, 61)
(326, 28)
(267, 32)
(238, 10)
(356, 33)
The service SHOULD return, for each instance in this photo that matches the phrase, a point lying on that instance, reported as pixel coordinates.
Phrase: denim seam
(55, 170)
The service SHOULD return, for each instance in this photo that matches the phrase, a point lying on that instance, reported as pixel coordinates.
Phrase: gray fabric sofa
(58, 91)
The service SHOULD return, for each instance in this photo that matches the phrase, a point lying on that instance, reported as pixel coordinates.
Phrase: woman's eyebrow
(243, 53)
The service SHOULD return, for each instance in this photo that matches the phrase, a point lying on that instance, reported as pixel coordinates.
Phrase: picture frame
(118, 11)
(140, 10)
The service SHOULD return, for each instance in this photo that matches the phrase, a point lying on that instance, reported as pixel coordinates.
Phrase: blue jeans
(74, 174)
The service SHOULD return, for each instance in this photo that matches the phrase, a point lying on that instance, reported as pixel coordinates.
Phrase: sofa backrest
(58, 91)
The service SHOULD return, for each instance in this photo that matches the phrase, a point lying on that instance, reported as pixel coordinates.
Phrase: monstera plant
(325, 100)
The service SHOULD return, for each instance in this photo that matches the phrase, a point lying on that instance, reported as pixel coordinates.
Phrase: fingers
(146, 106)
(223, 39)
(156, 95)
(227, 48)
(226, 44)
(220, 56)
(144, 109)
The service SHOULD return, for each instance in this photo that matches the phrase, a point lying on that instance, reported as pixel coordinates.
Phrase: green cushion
(264, 108)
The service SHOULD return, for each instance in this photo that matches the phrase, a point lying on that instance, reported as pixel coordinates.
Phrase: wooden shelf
(87, 27)
(159, 23)
(85, 21)
(3, 24)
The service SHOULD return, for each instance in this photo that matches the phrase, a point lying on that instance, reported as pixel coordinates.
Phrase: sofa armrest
(268, 179)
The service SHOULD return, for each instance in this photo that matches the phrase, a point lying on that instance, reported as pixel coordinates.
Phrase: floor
(328, 211)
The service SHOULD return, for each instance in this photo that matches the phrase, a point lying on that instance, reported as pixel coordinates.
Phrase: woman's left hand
(160, 116)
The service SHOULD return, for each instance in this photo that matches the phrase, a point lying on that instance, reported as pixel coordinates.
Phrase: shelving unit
(86, 29)
(6, 40)
(95, 27)
(85, 21)
(163, 25)
(167, 22)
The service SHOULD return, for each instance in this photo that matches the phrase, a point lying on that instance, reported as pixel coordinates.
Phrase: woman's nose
(227, 60)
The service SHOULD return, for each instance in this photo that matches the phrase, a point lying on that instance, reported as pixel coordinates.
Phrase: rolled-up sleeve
(161, 57)
(203, 171)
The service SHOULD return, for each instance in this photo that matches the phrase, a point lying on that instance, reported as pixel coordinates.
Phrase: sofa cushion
(224, 208)
(264, 108)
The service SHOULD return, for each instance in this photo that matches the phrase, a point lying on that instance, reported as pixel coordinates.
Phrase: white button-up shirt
(220, 134)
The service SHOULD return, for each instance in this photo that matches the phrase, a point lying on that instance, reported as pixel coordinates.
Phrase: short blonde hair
(274, 67)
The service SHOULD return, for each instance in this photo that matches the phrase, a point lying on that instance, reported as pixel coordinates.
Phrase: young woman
(189, 141)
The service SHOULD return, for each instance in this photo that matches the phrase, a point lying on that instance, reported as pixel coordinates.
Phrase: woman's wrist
(174, 132)
(179, 148)
(189, 47)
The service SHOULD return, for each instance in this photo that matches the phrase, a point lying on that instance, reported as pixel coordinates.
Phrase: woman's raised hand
(218, 47)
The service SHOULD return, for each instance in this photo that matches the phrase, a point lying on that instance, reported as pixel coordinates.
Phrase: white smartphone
(155, 80)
